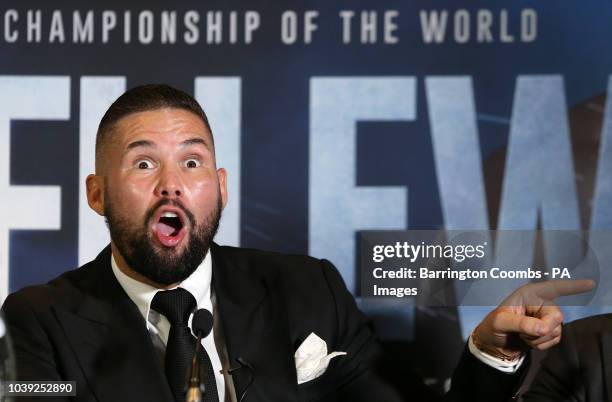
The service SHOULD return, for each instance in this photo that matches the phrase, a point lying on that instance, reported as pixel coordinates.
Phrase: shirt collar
(198, 284)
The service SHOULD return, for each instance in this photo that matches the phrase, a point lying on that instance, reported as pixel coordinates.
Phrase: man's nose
(169, 184)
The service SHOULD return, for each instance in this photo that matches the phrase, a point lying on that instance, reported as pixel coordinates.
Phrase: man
(578, 369)
(120, 325)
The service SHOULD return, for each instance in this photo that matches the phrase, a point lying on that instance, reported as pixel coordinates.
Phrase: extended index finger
(550, 290)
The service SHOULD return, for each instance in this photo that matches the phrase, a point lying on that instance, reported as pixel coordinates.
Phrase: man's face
(162, 194)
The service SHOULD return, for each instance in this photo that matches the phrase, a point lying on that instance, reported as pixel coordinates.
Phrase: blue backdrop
(330, 117)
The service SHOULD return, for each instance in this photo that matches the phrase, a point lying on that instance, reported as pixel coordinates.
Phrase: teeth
(169, 215)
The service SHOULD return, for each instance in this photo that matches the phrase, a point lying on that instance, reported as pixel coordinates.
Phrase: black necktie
(177, 305)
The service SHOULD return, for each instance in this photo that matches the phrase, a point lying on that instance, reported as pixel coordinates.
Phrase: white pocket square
(311, 358)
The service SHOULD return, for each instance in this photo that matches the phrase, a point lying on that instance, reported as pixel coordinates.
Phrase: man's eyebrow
(150, 144)
(139, 143)
(195, 141)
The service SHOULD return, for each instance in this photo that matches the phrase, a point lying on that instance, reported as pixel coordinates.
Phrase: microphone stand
(195, 387)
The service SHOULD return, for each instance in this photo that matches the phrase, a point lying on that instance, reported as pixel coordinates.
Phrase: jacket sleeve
(366, 376)
(33, 353)
(475, 381)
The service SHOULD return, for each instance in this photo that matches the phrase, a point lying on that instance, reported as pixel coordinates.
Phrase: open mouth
(169, 228)
(169, 224)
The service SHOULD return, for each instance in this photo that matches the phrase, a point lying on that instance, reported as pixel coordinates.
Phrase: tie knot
(176, 305)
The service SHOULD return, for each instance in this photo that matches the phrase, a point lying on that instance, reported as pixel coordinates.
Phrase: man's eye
(144, 164)
(192, 163)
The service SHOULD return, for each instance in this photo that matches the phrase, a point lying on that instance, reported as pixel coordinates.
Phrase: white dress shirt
(198, 284)
(496, 363)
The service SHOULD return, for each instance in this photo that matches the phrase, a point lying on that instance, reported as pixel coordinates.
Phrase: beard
(161, 265)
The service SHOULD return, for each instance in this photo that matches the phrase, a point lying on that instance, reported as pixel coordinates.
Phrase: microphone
(201, 324)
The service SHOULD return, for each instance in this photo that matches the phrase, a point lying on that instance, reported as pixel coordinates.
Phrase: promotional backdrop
(330, 117)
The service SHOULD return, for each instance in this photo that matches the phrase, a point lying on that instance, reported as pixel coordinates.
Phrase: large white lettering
(27, 207)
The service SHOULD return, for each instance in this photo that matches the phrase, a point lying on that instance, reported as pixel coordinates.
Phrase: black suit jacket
(82, 326)
(579, 368)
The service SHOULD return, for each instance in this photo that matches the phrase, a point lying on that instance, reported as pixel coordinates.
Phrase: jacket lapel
(113, 346)
(255, 329)
(606, 351)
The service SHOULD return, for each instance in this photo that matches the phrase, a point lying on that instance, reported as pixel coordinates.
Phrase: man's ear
(222, 176)
(95, 193)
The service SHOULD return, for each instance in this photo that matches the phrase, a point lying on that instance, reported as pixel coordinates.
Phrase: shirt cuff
(498, 364)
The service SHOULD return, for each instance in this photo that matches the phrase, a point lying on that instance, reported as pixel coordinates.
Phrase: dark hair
(144, 98)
